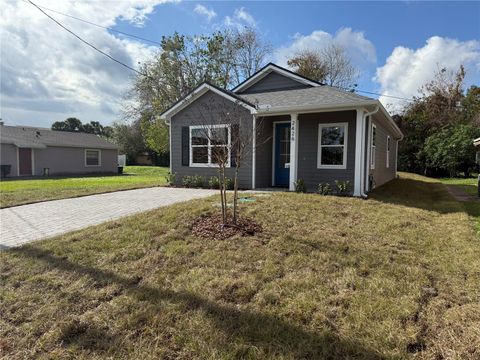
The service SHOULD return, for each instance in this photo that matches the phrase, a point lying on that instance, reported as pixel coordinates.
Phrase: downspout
(168, 123)
(366, 151)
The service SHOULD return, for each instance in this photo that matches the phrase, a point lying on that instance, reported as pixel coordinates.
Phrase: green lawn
(392, 277)
(469, 185)
(17, 192)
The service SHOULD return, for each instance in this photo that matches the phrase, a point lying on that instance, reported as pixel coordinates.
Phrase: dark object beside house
(5, 170)
(298, 129)
(31, 151)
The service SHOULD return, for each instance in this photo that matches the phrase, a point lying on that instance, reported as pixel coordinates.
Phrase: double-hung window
(388, 152)
(209, 145)
(332, 146)
(92, 157)
(373, 151)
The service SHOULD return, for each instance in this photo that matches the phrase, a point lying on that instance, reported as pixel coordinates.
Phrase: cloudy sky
(48, 75)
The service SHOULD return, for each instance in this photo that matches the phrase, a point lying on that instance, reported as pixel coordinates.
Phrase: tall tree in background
(75, 125)
(439, 126)
(309, 63)
(330, 66)
(223, 58)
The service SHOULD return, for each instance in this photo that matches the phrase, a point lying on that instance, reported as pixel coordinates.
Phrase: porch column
(293, 150)
(254, 145)
(359, 159)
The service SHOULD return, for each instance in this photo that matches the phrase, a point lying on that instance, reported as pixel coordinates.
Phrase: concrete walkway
(26, 223)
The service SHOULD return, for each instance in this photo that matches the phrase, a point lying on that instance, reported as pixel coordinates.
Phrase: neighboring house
(300, 129)
(35, 151)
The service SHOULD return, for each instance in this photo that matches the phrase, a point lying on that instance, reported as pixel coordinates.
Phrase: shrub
(342, 188)
(198, 181)
(324, 189)
(214, 182)
(187, 181)
(229, 183)
(171, 178)
(300, 186)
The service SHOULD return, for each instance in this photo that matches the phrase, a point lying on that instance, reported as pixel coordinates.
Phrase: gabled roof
(33, 137)
(267, 69)
(323, 96)
(201, 90)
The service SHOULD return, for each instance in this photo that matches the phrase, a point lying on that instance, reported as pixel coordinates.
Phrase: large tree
(75, 125)
(331, 66)
(223, 58)
(438, 125)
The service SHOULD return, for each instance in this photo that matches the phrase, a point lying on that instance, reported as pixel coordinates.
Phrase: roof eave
(277, 110)
(197, 93)
(266, 70)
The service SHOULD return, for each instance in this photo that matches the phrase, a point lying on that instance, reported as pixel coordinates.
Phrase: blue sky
(396, 46)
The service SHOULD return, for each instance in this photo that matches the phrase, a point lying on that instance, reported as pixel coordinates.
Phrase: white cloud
(360, 49)
(406, 70)
(241, 18)
(47, 74)
(203, 10)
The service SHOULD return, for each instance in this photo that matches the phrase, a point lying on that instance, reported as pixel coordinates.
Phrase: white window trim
(99, 157)
(209, 147)
(373, 148)
(389, 144)
(345, 146)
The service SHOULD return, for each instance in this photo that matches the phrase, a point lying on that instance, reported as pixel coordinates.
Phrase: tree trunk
(221, 186)
(235, 192)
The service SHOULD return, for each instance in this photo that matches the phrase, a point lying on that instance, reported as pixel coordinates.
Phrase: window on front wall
(332, 146)
(388, 152)
(208, 144)
(373, 151)
(92, 157)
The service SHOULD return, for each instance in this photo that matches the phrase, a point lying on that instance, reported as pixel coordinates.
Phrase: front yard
(19, 191)
(395, 276)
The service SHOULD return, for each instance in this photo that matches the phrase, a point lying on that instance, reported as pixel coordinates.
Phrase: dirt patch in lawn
(211, 226)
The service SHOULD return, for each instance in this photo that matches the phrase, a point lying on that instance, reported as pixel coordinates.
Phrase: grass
(24, 191)
(469, 185)
(392, 277)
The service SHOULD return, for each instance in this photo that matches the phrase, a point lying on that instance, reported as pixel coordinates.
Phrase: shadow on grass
(426, 195)
(272, 335)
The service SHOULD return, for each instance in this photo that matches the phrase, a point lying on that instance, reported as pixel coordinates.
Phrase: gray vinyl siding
(308, 149)
(274, 81)
(203, 111)
(71, 161)
(8, 156)
(60, 161)
(382, 174)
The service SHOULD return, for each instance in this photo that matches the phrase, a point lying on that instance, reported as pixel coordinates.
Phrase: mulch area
(211, 226)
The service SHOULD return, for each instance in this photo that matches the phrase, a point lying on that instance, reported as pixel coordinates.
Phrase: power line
(86, 42)
(151, 41)
(97, 25)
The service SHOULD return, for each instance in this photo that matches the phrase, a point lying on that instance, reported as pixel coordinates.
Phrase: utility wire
(153, 42)
(97, 25)
(86, 42)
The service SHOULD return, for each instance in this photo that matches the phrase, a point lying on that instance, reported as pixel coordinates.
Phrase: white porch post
(254, 145)
(293, 150)
(359, 142)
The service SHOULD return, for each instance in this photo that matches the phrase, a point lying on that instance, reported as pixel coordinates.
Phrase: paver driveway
(26, 223)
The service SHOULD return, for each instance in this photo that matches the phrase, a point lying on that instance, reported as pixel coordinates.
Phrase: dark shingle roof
(25, 136)
(321, 95)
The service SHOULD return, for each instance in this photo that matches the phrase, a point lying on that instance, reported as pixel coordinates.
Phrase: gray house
(300, 129)
(36, 151)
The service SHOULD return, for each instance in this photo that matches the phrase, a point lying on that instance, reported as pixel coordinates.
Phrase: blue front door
(282, 154)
